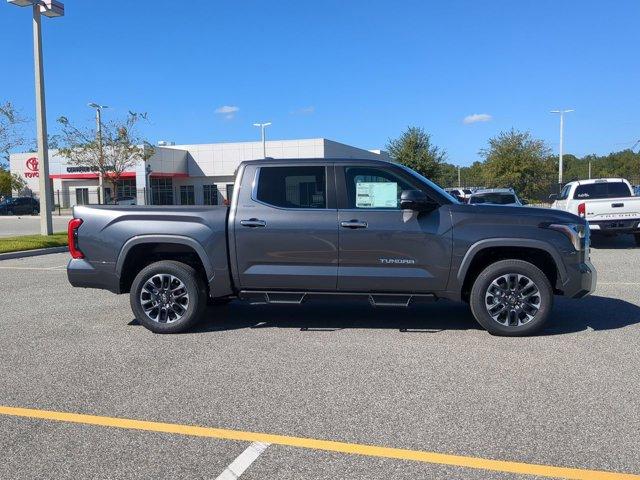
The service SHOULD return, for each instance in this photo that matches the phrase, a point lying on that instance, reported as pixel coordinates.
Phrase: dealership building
(201, 174)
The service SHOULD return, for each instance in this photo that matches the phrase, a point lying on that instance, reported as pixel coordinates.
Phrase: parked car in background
(496, 196)
(125, 201)
(19, 206)
(608, 204)
(461, 194)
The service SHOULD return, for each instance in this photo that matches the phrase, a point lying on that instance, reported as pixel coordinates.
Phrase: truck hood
(534, 214)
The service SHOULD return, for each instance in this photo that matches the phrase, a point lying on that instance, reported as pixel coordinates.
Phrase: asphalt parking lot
(426, 379)
(29, 224)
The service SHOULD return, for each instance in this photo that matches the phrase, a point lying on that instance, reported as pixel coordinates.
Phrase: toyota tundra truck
(317, 228)
(608, 204)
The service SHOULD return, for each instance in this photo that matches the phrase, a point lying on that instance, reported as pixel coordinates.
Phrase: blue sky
(353, 71)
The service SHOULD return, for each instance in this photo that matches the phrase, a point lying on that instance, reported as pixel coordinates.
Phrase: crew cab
(299, 229)
(608, 204)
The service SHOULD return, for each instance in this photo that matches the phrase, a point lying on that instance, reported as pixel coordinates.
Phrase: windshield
(6, 201)
(494, 198)
(435, 186)
(602, 190)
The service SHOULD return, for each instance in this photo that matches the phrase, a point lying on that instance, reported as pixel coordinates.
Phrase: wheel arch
(140, 251)
(483, 253)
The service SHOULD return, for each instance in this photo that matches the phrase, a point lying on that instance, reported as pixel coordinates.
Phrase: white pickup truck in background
(608, 204)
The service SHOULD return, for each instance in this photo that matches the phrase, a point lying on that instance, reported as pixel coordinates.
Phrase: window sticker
(377, 195)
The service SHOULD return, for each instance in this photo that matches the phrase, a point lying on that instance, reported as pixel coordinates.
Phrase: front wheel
(168, 297)
(511, 298)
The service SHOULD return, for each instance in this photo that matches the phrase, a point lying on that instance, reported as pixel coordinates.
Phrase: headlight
(577, 234)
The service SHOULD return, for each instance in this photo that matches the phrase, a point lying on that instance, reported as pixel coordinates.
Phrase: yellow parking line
(327, 445)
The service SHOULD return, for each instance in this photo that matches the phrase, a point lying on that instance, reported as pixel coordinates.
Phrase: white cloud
(477, 117)
(304, 110)
(228, 111)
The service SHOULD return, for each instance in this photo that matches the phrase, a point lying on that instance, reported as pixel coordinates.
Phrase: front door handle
(353, 224)
(253, 222)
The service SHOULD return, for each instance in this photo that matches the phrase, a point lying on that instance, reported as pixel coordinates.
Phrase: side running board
(260, 297)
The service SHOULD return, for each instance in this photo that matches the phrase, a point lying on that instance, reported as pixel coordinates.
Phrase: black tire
(10, 212)
(636, 236)
(190, 282)
(218, 302)
(518, 323)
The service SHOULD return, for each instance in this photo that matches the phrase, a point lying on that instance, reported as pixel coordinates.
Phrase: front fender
(510, 242)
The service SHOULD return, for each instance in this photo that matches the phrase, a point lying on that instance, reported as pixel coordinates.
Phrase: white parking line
(244, 460)
(59, 268)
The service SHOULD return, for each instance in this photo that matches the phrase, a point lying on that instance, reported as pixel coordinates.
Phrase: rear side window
(564, 193)
(494, 198)
(293, 187)
(602, 190)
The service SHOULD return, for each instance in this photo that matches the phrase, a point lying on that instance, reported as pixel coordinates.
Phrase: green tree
(415, 149)
(120, 148)
(10, 182)
(516, 159)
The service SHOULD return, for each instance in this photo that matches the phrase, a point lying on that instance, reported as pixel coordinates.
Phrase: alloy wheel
(512, 300)
(164, 298)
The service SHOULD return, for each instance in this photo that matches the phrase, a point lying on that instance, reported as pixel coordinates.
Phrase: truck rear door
(384, 248)
(285, 227)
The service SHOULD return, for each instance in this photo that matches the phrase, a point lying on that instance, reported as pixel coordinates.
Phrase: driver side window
(376, 188)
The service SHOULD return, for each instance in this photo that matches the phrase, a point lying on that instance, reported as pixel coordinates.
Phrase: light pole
(49, 8)
(459, 184)
(99, 138)
(264, 143)
(561, 112)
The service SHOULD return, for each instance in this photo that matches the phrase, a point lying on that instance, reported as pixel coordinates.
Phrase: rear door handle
(353, 224)
(253, 222)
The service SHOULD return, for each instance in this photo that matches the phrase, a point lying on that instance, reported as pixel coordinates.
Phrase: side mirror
(416, 200)
(553, 197)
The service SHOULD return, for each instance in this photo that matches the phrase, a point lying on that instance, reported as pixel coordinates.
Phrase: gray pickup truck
(300, 229)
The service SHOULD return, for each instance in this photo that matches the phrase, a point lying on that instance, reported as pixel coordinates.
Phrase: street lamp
(264, 145)
(561, 112)
(48, 8)
(99, 138)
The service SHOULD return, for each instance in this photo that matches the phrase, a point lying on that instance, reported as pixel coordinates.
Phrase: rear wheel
(168, 297)
(511, 298)
(636, 236)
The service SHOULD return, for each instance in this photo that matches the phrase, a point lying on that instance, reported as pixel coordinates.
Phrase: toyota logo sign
(32, 164)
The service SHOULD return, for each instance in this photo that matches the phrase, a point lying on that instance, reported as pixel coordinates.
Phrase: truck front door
(285, 228)
(384, 248)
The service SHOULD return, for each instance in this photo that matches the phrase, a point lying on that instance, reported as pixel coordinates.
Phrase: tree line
(511, 159)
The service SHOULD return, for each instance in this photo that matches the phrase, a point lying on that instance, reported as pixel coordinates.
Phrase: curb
(33, 253)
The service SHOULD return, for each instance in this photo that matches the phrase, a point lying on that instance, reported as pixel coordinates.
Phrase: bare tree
(10, 136)
(117, 151)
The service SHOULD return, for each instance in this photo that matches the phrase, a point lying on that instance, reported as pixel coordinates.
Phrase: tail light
(72, 237)
(582, 210)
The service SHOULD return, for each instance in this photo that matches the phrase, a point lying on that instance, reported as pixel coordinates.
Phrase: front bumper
(84, 274)
(581, 279)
